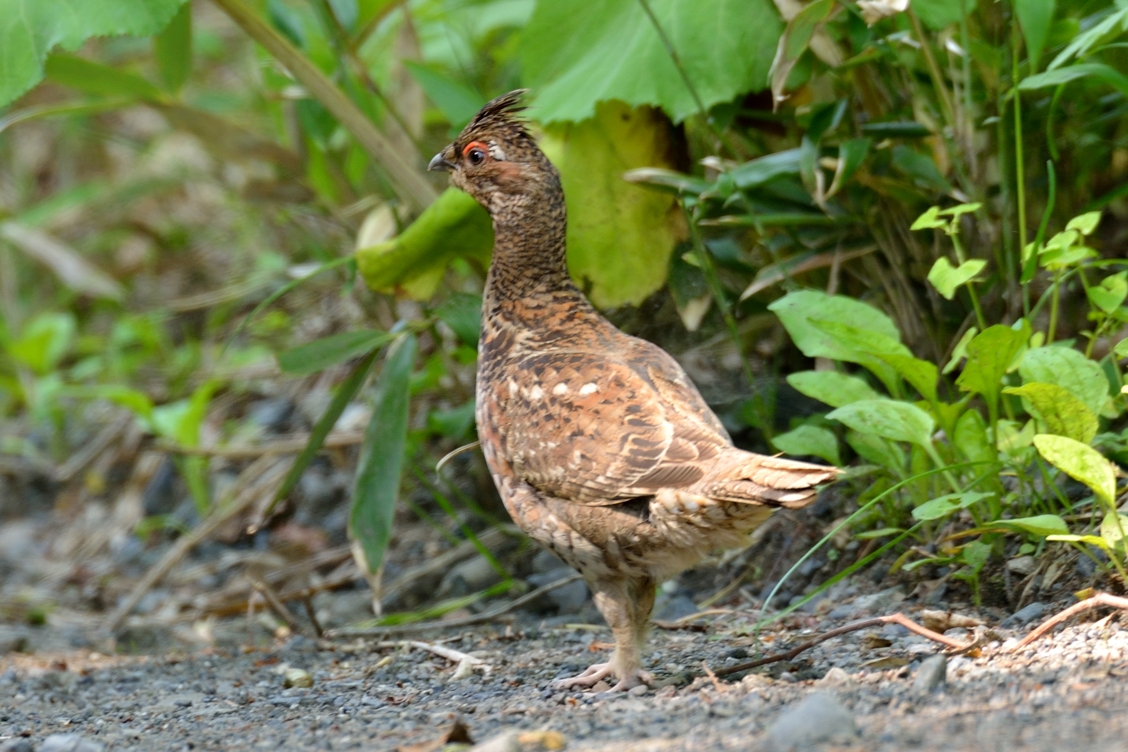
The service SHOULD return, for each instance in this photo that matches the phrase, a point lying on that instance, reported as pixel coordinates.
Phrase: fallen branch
(1095, 601)
(464, 622)
(876, 621)
(457, 656)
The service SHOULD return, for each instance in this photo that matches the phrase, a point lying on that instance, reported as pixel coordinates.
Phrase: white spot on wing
(589, 388)
(560, 389)
(512, 388)
(536, 392)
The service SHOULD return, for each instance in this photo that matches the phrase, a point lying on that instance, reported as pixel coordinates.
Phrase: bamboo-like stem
(407, 180)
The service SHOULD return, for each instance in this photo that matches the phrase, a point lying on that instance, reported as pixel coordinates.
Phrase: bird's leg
(643, 592)
(613, 598)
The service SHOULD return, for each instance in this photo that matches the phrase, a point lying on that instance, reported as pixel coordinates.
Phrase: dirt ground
(871, 691)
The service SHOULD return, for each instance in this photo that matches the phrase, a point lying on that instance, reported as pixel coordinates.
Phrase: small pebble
(296, 677)
(932, 673)
(1024, 615)
(638, 691)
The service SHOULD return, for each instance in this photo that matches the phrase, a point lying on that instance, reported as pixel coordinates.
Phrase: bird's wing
(599, 428)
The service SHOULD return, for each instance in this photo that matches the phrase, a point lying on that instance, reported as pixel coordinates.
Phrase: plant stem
(933, 68)
(1054, 300)
(1019, 167)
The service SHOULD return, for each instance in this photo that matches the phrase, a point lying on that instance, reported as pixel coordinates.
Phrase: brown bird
(600, 446)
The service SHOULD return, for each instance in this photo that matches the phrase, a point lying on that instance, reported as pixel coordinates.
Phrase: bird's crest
(501, 113)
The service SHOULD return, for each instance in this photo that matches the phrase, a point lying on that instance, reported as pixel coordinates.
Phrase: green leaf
(321, 353)
(1080, 462)
(1092, 540)
(960, 209)
(1114, 531)
(971, 439)
(920, 374)
(455, 225)
(173, 49)
(100, 80)
(989, 356)
(32, 28)
(1041, 525)
(671, 180)
(611, 51)
(1085, 223)
(959, 352)
(851, 154)
(1110, 293)
(381, 458)
(809, 440)
(939, 14)
(889, 419)
(834, 388)
(796, 310)
(620, 235)
(763, 170)
(462, 312)
(1035, 18)
(341, 399)
(1059, 410)
(1108, 28)
(458, 102)
(930, 220)
(44, 341)
(455, 423)
(1103, 73)
(946, 278)
(180, 421)
(795, 40)
(877, 450)
(1069, 369)
(944, 505)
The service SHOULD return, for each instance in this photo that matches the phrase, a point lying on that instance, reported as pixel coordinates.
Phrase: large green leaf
(797, 310)
(173, 49)
(1061, 412)
(1068, 369)
(576, 56)
(939, 14)
(812, 440)
(888, 419)
(44, 341)
(454, 225)
(29, 29)
(381, 458)
(620, 234)
(834, 388)
(1080, 462)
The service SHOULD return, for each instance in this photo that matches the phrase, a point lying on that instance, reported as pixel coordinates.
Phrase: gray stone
(17, 745)
(570, 598)
(817, 718)
(880, 602)
(70, 743)
(675, 608)
(1022, 565)
(932, 673)
(1024, 615)
(468, 577)
(506, 741)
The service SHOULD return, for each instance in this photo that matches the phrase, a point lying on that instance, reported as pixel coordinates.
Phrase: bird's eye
(475, 152)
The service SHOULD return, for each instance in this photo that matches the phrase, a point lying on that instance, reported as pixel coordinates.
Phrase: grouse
(600, 446)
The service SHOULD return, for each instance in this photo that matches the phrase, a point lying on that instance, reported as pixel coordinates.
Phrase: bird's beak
(439, 163)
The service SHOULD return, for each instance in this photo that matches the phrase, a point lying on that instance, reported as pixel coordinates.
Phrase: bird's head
(495, 159)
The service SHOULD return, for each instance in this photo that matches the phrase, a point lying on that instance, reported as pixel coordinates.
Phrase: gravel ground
(878, 689)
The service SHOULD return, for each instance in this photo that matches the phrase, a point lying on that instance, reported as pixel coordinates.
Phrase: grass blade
(381, 458)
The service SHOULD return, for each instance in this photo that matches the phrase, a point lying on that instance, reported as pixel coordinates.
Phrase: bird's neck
(529, 256)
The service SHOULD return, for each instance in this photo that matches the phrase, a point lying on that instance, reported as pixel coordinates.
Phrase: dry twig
(1095, 601)
(456, 656)
(876, 621)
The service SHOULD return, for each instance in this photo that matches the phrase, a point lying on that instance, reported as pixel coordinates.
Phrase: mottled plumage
(600, 446)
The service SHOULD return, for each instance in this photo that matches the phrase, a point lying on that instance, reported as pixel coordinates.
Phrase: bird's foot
(598, 672)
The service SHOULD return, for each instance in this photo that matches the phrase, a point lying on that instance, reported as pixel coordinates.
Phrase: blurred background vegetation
(229, 291)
